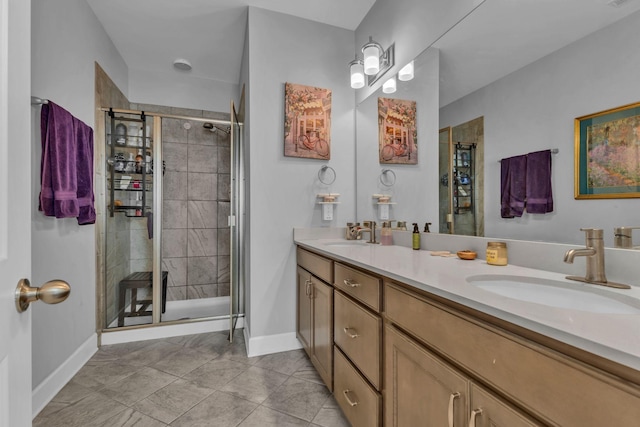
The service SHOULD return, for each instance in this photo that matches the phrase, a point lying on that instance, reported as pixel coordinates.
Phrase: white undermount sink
(346, 243)
(557, 294)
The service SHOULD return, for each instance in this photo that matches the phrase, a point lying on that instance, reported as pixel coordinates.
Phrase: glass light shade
(371, 59)
(357, 74)
(406, 72)
(389, 86)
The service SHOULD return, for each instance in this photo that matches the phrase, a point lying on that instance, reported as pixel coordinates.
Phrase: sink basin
(558, 294)
(347, 243)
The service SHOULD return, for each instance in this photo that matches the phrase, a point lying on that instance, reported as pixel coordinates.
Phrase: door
(15, 211)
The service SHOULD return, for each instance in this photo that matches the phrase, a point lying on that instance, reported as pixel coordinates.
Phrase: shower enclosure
(461, 169)
(172, 223)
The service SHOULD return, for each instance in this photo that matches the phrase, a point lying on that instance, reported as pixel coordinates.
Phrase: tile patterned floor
(194, 380)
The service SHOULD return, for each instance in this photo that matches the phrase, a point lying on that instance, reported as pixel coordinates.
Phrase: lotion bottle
(386, 235)
(416, 237)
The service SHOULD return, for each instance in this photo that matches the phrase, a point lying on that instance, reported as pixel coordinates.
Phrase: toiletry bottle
(426, 227)
(416, 237)
(386, 235)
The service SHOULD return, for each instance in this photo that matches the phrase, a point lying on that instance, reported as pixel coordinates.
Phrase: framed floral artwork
(307, 122)
(397, 134)
(607, 154)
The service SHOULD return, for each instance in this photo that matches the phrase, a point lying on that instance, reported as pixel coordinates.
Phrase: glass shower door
(236, 222)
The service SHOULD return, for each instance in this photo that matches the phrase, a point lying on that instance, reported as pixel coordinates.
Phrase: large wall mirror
(585, 64)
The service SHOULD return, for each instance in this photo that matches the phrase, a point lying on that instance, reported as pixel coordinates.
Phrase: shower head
(213, 128)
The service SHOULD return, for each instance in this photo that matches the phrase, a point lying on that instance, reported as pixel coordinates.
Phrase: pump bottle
(416, 237)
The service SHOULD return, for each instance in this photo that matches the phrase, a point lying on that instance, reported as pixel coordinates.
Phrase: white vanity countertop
(612, 336)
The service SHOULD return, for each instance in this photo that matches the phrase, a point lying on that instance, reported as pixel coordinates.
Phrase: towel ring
(387, 183)
(322, 172)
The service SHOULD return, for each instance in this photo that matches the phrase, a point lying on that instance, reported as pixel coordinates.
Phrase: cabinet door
(421, 390)
(322, 337)
(489, 411)
(303, 323)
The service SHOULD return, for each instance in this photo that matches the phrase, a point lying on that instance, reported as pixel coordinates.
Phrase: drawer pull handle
(306, 289)
(351, 283)
(349, 334)
(452, 397)
(349, 401)
(474, 415)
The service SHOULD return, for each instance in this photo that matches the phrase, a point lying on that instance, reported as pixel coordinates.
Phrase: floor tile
(138, 386)
(96, 375)
(265, 417)
(195, 380)
(219, 410)
(172, 401)
(255, 384)
(286, 362)
(151, 354)
(330, 415)
(184, 361)
(131, 418)
(216, 373)
(93, 409)
(300, 398)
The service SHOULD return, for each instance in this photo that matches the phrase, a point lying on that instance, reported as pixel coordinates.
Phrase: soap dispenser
(416, 237)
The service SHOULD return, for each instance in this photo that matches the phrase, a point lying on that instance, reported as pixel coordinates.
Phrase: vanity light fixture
(356, 69)
(406, 73)
(389, 86)
(376, 63)
(372, 52)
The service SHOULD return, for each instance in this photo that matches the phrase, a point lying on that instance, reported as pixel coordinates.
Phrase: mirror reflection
(523, 108)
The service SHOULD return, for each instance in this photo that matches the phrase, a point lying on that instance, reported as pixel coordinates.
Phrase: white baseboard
(267, 344)
(50, 386)
(166, 331)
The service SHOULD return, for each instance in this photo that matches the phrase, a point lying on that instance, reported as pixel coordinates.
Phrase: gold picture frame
(607, 154)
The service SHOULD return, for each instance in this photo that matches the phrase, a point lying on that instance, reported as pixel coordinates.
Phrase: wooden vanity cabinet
(358, 345)
(424, 390)
(314, 320)
(509, 376)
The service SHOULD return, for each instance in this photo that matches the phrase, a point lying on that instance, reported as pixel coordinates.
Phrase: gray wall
(282, 189)
(63, 58)
(534, 109)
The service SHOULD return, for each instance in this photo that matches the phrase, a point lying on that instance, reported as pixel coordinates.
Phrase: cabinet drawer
(358, 333)
(362, 286)
(358, 401)
(552, 387)
(315, 264)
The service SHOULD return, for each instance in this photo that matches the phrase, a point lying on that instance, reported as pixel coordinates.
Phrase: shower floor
(185, 309)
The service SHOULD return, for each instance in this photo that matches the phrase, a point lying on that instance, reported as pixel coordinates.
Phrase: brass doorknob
(52, 292)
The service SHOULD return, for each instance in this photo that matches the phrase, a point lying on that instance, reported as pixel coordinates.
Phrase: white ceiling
(151, 34)
(499, 37)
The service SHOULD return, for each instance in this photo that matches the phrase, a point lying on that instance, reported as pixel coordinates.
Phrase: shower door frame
(101, 326)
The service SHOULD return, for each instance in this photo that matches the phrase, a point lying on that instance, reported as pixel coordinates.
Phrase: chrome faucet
(594, 254)
(369, 227)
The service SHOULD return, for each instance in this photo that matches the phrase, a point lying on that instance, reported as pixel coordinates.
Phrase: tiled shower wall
(195, 244)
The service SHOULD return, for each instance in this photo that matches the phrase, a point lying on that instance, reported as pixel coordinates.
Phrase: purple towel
(539, 195)
(66, 167)
(512, 186)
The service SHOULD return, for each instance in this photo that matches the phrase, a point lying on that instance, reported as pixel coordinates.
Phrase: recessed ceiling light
(182, 64)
